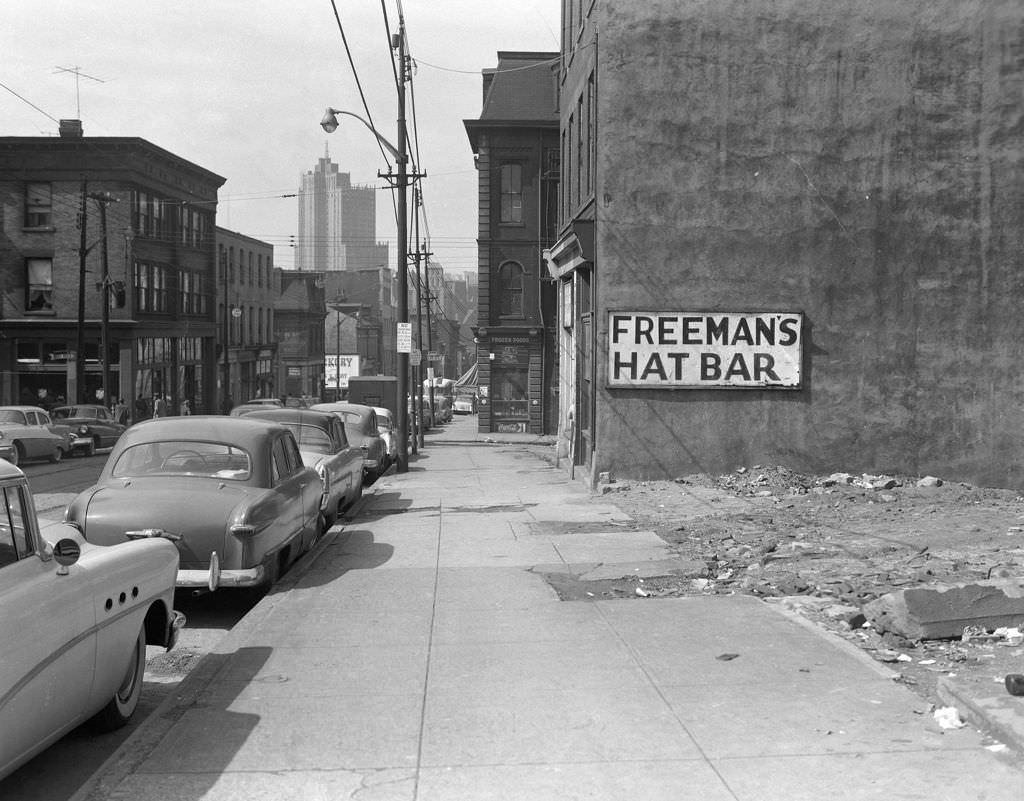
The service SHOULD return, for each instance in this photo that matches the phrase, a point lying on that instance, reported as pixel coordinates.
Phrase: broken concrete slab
(653, 569)
(943, 611)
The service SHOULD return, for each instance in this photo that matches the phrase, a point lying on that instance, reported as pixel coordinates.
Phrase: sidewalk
(418, 655)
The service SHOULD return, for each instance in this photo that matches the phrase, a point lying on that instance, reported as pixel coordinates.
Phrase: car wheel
(121, 707)
(17, 454)
(56, 456)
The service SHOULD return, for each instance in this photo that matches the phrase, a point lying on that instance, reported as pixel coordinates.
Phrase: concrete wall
(857, 161)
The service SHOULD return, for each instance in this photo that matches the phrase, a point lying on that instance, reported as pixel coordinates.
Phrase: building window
(143, 221)
(38, 205)
(158, 218)
(39, 283)
(510, 285)
(511, 193)
(151, 287)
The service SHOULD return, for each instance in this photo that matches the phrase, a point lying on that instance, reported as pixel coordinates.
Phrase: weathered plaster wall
(860, 162)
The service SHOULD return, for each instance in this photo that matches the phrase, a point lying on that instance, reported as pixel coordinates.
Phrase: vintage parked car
(235, 489)
(386, 427)
(361, 427)
(76, 621)
(324, 447)
(92, 426)
(255, 405)
(426, 416)
(465, 404)
(27, 432)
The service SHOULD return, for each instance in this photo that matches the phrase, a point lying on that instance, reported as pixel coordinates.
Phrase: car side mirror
(66, 552)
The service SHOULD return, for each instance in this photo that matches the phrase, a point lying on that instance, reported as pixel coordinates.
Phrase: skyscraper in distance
(337, 222)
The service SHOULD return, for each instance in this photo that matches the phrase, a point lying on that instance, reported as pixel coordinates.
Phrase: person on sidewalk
(120, 412)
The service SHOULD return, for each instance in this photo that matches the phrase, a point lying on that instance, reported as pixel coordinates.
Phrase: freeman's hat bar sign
(701, 350)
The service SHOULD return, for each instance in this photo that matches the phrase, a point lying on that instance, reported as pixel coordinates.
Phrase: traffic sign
(404, 337)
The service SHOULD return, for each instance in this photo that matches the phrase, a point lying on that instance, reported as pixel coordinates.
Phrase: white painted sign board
(703, 350)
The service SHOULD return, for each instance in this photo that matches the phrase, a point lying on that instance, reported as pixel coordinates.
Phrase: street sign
(432, 356)
(404, 337)
(415, 357)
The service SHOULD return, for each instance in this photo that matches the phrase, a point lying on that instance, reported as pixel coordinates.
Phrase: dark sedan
(361, 427)
(235, 489)
(324, 446)
(92, 426)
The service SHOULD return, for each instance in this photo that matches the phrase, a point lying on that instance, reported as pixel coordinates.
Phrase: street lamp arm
(330, 124)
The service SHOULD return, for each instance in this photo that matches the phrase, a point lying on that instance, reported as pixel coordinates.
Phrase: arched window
(511, 193)
(510, 285)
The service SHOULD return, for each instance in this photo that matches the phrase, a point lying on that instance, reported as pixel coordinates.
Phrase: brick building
(153, 267)
(299, 315)
(248, 286)
(515, 144)
(854, 170)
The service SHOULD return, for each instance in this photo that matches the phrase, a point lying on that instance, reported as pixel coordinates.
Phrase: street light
(401, 182)
(330, 124)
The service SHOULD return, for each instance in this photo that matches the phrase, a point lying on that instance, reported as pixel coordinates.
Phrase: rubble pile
(836, 547)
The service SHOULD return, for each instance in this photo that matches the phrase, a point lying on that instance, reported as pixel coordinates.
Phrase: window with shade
(38, 205)
(510, 287)
(512, 193)
(39, 285)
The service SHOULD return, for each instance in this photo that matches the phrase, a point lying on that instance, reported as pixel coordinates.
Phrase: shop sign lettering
(696, 350)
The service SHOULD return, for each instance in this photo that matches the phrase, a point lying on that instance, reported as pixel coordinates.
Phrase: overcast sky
(239, 86)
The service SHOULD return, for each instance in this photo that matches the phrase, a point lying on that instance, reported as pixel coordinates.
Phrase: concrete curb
(835, 640)
(1000, 717)
(148, 734)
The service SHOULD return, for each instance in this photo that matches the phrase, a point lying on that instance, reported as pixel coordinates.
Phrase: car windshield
(311, 438)
(184, 458)
(12, 416)
(66, 412)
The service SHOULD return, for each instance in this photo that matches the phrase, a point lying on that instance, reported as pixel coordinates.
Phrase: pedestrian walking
(121, 412)
(186, 407)
(141, 408)
(159, 406)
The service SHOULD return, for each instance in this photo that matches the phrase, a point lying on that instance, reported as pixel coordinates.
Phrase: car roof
(357, 408)
(314, 417)
(8, 472)
(23, 408)
(245, 432)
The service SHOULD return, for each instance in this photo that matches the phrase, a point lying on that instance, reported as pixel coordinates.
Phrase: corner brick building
(855, 166)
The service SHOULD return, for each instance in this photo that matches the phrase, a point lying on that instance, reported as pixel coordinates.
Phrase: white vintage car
(74, 625)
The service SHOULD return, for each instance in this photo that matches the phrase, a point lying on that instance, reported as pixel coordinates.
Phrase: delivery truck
(374, 390)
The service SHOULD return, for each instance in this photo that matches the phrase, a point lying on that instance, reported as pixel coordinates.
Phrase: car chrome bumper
(369, 464)
(7, 452)
(249, 577)
(81, 442)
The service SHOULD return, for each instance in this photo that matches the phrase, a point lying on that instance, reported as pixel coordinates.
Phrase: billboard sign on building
(349, 366)
(702, 350)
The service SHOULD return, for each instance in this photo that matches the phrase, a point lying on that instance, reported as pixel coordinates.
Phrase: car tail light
(243, 530)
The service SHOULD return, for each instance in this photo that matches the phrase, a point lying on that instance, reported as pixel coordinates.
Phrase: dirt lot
(825, 545)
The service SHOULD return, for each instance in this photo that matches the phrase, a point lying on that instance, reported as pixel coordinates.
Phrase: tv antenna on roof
(77, 72)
